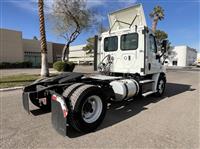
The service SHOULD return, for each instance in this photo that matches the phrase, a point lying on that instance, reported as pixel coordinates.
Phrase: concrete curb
(11, 88)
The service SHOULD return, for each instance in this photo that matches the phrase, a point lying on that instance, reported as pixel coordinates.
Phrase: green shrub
(64, 66)
(58, 65)
(26, 64)
(17, 65)
(5, 65)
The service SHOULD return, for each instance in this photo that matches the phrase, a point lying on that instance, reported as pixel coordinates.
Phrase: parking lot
(168, 122)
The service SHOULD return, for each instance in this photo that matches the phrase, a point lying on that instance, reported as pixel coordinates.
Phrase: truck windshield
(129, 41)
(111, 43)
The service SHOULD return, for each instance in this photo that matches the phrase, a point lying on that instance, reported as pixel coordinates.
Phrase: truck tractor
(128, 63)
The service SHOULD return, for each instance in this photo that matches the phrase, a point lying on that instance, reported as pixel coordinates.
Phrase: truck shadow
(120, 111)
(37, 112)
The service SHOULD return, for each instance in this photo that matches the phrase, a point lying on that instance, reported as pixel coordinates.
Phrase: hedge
(64, 66)
(4, 65)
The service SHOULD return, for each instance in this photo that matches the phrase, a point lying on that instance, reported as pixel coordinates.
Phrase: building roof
(5, 29)
(179, 47)
(76, 48)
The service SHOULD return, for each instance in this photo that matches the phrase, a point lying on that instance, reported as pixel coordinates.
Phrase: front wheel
(88, 108)
(161, 86)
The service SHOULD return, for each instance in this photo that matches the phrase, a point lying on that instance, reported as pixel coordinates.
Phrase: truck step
(147, 93)
(146, 81)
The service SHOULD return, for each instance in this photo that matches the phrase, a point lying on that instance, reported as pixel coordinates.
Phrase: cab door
(152, 64)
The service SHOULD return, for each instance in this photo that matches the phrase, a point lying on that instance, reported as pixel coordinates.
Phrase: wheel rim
(161, 86)
(92, 109)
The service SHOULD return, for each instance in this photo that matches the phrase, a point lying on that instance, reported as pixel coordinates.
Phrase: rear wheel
(88, 108)
(92, 109)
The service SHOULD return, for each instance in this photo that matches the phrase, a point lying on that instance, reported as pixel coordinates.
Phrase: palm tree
(44, 59)
(156, 15)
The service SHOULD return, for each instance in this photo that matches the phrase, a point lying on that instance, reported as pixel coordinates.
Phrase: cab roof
(127, 18)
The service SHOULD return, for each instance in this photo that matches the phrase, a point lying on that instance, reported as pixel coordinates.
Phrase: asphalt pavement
(168, 122)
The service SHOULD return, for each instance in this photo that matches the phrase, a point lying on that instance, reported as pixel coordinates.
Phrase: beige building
(31, 49)
(57, 51)
(11, 46)
(16, 49)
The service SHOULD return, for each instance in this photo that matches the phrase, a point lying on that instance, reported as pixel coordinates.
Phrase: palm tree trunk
(44, 65)
(154, 23)
(44, 58)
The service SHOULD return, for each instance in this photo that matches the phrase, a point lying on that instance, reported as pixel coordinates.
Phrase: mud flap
(25, 101)
(59, 113)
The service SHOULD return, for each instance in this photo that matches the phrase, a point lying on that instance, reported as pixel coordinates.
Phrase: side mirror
(164, 46)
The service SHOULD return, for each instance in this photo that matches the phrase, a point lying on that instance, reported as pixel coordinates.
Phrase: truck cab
(129, 47)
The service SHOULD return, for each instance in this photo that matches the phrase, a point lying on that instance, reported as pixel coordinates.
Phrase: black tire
(78, 101)
(68, 91)
(161, 86)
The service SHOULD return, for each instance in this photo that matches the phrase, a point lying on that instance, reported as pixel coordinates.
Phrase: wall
(181, 52)
(11, 46)
(198, 57)
(191, 56)
(77, 55)
(32, 48)
(184, 56)
(57, 51)
(15, 49)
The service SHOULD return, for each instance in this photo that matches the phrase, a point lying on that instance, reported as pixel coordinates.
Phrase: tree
(35, 38)
(90, 45)
(156, 15)
(160, 36)
(44, 59)
(89, 48)
(70, 18)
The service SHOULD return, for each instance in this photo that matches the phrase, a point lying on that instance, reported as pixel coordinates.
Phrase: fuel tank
(124, 89)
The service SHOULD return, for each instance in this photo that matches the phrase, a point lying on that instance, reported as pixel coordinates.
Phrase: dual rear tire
(87, 106)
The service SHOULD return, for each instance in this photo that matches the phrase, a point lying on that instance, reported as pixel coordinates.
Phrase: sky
(182, 18)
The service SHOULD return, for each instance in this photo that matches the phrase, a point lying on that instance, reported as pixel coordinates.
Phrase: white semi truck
(128, 63)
